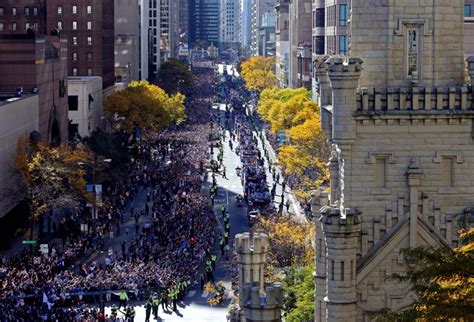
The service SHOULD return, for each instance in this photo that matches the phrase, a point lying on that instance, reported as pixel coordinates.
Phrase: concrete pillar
(342, 240)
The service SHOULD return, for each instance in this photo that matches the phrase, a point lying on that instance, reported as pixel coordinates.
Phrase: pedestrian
(123, 298)
(155, 302)
(148, 306)
(202, 280)
(287, 205)
(223, 173)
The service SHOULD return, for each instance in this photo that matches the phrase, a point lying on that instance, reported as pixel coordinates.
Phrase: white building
(230, 24)
(18, 117)
(85, 104)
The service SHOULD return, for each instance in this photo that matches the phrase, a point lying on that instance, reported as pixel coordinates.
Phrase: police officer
(202, 279)
(123, 298)
(164, 299)
(113, 314)
(213, 261)
(223, 210)
(155, 301)
(222, 244)
(148, 306)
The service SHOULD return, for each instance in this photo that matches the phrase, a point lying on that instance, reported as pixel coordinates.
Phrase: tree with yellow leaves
(258, 74)
(293, 111)
(443, 280)
(145, 106)
(52, 178)
(290, 242)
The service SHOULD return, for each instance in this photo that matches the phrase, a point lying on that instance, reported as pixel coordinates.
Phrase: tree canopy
(306, 152)
(299, 294)
(175, 77)
(144, 105)
(443, 280)
(52, 178)
(258, 74)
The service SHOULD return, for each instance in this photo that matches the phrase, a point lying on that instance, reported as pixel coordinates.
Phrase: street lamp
(93, 167)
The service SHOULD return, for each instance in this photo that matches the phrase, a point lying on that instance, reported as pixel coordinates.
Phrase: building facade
(85, 104)
(230, 24)
(267, 37)
(127, 40)
(34, 63)
(88, 26)
(203, 22)
(246, 23)
(19, 116)
(282, 43)
(257, 10)
(330, 26)
(299, 38)
(398, 113)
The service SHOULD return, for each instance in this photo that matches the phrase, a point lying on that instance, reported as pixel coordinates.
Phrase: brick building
(87, 24)
(38, 63)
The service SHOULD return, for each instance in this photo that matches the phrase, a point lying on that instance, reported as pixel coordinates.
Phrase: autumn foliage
(52, 178)
(258, 74)
(306, 154)
(145, 106)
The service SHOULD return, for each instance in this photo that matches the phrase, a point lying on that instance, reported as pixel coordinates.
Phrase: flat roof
(8, 98)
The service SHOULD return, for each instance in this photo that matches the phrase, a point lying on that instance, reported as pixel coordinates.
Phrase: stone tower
(399, 116)
(258, 301)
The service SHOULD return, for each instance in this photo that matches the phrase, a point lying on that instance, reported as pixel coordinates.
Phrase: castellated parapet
(258, 301)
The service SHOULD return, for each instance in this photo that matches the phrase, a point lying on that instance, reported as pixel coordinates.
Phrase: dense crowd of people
(174, 232)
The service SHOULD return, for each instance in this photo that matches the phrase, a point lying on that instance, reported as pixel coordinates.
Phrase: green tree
(443, 280)
(298, 287)
(258, 74)
(145, 106)
(175, 77)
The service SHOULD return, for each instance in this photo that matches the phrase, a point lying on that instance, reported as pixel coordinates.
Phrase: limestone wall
(378, 35)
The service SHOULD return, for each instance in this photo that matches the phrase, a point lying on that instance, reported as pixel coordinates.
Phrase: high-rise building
(257, 10)
(203, 22)
(398, 114)
(246, 22)
(230, 24)
(330, 20)
(88, 26)
(127, 40)
(183, 21)
(282, 43)
(266, 36)
(300, 43)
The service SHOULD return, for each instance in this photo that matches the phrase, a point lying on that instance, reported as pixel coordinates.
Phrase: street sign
(29, 242)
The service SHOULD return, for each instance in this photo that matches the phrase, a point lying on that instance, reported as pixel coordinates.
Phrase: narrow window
(89, 25)
(332, 270)
(60, 10)
(343, 45)
(35, 11)
(74, 71)
(74, 25)
(343, 15)
(448, 171)
(352, 270)
(14, 26)
(27, 11)
(1, 26)
(342, 270)
(14, 10)
(2, 11)
(412, 53)
(60, 25)
(89, 10)
(380, 172)
(74, 10)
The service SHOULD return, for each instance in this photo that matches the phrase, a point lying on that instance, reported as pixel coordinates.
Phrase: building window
(89, 41)
(319, 45)
(14, 10)
(74, 41)
(73, 102)
(13, 26)
(74, 71)
(343, 44)
(89, 10)
(74, 25)
(319, 18)
(448, 171)
(35, 11)
(27, 11)
(27, 26)
(35, 25)
(60, 10)
(380, 172)
(2, 11)
(89, 71)
(467, 10)
(332, 270)
(74, 10)
(343, 15)
(412, 53)
(89, 25)
(74, 56)
(1, 26)
(89, 57)
(342, 270)
(60, 25)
